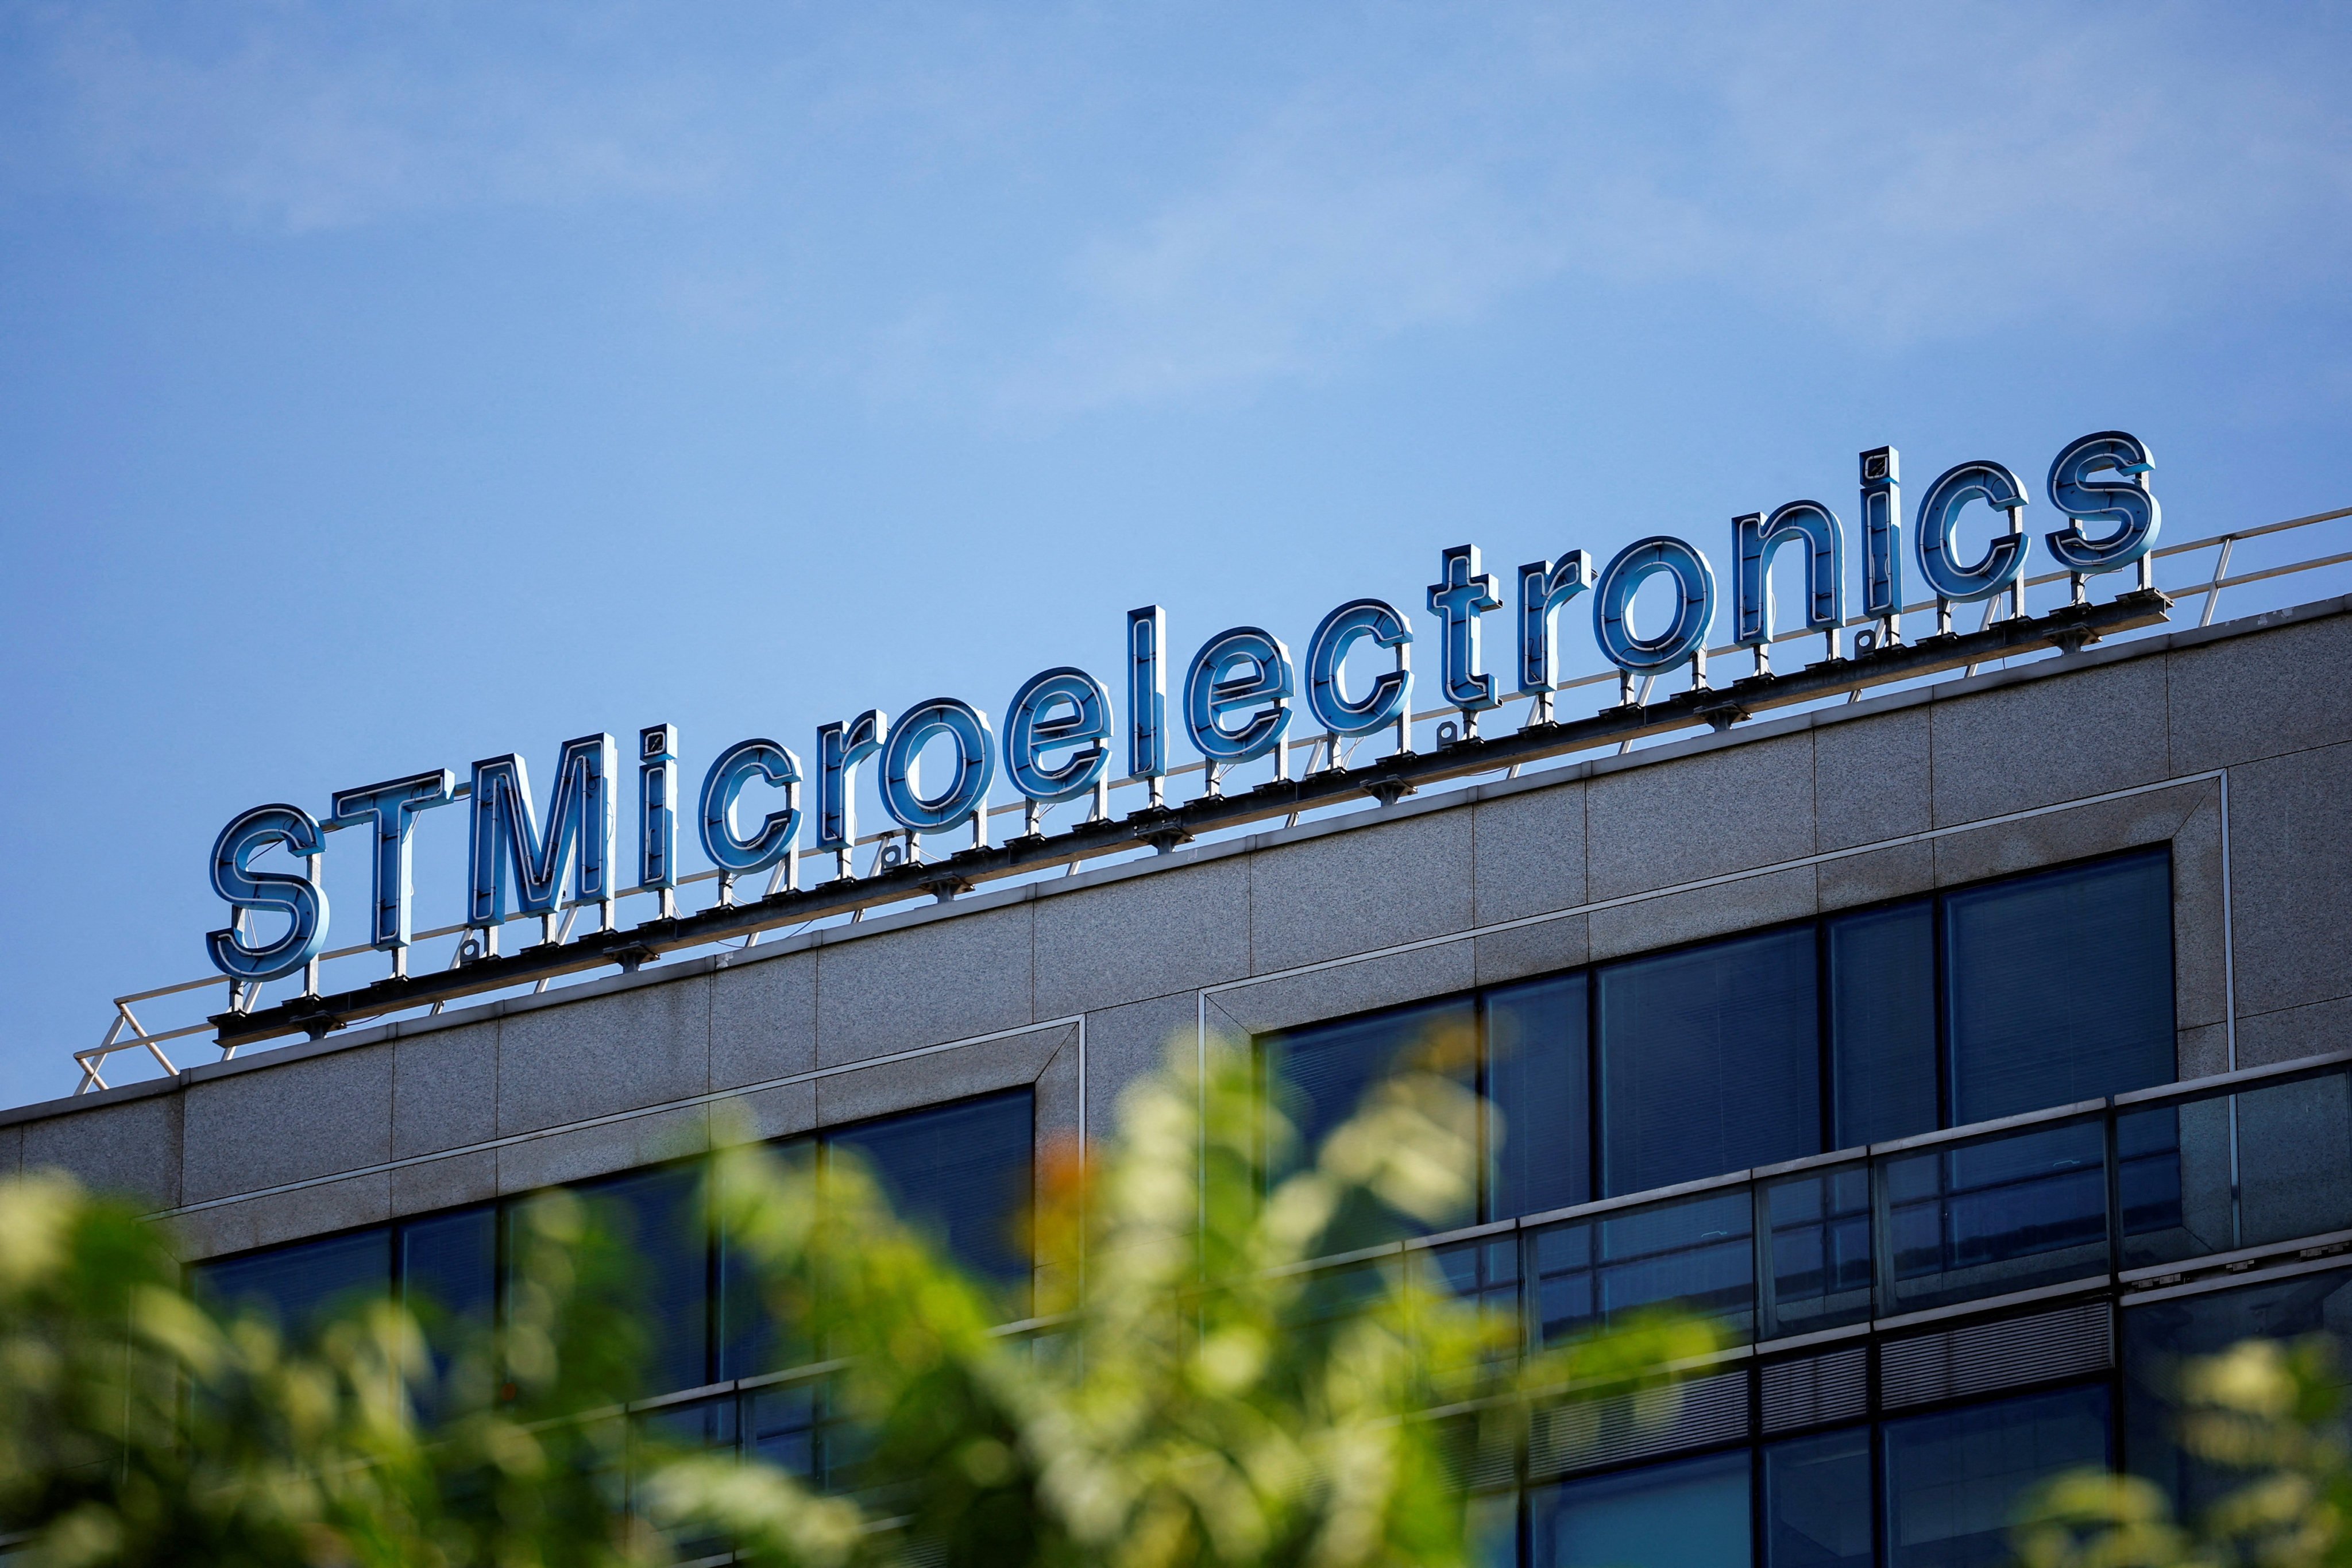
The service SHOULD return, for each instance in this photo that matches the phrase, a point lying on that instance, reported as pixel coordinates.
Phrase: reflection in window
(1323, 1071)
(1710, 1060)
(658, 1216)
(2158, 1336)
(1817, 1501)
(299, 1286)
(2060, 986)
(1954, 1479)
(1690, 1513)
(1538, 1157)
(962, 1171)
(449, 1265)
(1818, 1271)
(1693, 1255)
(1882, 1024)
(2011, 1212)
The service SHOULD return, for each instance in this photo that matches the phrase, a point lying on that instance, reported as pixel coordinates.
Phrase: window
(1540, 1153)
(450, 1263)
(963, 1171)
(1937, 1490)
(1856, 1028)
(297, 1287)
(2157, 1337)
(1954, 1479)
(1882, 1024)
(1323, 1072)
(1817, 1501)
(1689, 1513)
(2060, 986)
(1710, 1060)
(658, 1216)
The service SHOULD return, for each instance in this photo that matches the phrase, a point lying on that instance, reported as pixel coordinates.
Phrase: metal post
(2213, 592)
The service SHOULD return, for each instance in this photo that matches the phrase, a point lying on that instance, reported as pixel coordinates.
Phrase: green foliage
(1191, 1391)
(2271, 1411)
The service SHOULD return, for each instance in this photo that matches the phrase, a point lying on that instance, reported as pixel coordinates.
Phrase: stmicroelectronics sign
(1235, 703)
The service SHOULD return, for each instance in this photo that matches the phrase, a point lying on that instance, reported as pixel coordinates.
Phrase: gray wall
(1077, 985)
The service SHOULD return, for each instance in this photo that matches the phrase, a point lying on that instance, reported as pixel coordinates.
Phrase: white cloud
(1899, 179)
(300, 119)
(1065, 210)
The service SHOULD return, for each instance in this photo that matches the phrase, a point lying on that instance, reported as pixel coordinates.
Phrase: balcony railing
(2133, 1189)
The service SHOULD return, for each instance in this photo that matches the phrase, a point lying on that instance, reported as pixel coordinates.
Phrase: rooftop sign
(1236, 702)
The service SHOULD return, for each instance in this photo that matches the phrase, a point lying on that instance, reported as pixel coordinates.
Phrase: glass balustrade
(2154, 1178)
(2148, 1183)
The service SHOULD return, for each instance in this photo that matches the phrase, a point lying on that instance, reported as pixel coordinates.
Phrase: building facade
(1969, 1052)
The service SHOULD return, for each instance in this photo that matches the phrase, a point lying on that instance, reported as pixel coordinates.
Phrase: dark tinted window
(1688, 1513)
(1321, 1073)
(448, 1263)
(1882, 1024)
(2159, 1336)
(1954, 1479)
(301, 1286)
(1710, 1060)
(1817, 1501)
(1539, 1150)
(658, 1213)
(449, 1279)
(749, 1341)
(2060, 986)
(963, 1171)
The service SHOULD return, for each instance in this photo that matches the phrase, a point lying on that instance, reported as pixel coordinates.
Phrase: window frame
(503, 1209)
(1266, 1043)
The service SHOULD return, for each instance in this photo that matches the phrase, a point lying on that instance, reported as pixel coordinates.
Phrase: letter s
(2125, 501)
(267, 892)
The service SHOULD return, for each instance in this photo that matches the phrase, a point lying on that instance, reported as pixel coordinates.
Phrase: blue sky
(384, 387)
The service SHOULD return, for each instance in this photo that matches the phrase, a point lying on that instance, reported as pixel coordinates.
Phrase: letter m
(579, 834)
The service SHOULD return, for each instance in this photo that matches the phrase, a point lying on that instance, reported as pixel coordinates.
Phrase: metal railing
(126, 1032)
(2131, 1190)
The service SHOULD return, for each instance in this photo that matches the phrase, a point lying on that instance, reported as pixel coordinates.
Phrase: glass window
(2060, 986)
(2158, 1336)
(300, 1287)
(1954, 1479)
(1690, 1513)
(658, 1214)
(1537, 1146)
(2008, 1212)
(1817, 1272)
(1693, 1255)
(1494, 1530)
(1710, 1060)
(449, 1262)
(1882, 1024)
(749, 1341)
(1320, 1074)
(963, 1170)
(1817, 1501)
(784, 1426)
